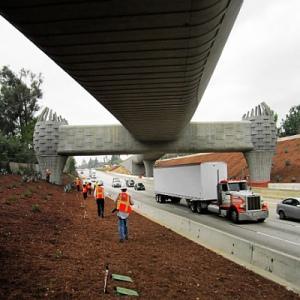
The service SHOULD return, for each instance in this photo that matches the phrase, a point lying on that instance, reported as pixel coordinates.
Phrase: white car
(289, 208)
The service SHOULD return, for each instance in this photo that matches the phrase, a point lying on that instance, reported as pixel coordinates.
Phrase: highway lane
(281, 235)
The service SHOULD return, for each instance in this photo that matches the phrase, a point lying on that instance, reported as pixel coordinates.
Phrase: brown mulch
(285, 163)
(49, 250)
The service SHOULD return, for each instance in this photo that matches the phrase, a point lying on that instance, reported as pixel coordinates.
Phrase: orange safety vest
(84, 189)
(100, 192)
(123, 203)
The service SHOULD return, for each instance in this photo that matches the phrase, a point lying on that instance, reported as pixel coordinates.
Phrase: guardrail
(274, 265)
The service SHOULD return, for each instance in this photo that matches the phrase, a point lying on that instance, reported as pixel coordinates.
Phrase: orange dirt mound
(285, 165)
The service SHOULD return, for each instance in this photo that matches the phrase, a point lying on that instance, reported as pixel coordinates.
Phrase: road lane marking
(287, 222)
(277, 238)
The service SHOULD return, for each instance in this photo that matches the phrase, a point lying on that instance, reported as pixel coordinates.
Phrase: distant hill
(285, 165)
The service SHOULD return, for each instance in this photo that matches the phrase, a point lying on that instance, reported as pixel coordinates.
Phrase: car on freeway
(139, 186)
(289, 208)
(116, 182)
(129, 182)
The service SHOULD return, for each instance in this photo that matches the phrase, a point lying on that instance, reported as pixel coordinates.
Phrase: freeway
(280, 235)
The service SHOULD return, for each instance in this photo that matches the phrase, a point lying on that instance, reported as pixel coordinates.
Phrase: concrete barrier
(284, 186)
(276, 193)
(274, 265)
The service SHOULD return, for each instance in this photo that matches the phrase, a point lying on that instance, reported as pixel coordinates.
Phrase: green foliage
(10, 200)
(27, 194)
(291, 124)
(92, 163)
(13, 149)
(70, 167)
(115, 159)
(58, 254)
(19, 95)
(35, 208)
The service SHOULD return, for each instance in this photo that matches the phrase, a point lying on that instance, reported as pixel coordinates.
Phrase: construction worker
(77, 183)
(123, 207)
(48, 173)
(99, 196)
(84, 191)
(89, 187)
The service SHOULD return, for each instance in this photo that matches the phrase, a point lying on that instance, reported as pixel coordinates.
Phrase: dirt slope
(49, 250)
(285, 165)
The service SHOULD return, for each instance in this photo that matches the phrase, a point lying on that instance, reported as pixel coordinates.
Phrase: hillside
(53, 247)
(285, 165)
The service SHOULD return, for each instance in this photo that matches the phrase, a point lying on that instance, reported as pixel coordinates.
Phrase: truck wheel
(235, 217)
(193, 206)
(260, 220)
(157, 198)
(199, 208)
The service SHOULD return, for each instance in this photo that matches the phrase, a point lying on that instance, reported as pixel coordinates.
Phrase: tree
(291, 124)
(115, 159)
(13, 149)
(19, 95)
(71, 166)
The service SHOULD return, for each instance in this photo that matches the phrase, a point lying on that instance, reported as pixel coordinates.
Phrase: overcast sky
(260, 62)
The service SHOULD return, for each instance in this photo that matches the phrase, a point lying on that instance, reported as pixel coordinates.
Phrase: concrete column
(55, 164)
(259, 164)
(149, 164)
(45, 141)
(263, 136)
(137, 169)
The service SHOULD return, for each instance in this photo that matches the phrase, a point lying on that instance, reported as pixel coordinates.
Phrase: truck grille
(253, 202)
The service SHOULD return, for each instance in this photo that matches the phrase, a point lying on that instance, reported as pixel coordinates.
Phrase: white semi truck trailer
(205, 187)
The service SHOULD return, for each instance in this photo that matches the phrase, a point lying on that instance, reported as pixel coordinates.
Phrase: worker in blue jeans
(123, 207)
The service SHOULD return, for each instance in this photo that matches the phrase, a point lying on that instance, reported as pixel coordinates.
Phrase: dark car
(130, 182)
(289, 208)
(116, 183)
(139, 186)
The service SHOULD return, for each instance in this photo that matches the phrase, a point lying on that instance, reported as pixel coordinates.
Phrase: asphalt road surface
(280, 235)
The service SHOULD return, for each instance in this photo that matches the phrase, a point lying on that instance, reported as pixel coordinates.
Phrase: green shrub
(57, 254)
(10, 200)
(27, 194)
(35, 208)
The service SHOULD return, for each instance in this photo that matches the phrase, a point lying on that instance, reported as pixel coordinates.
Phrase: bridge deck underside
(147, 62)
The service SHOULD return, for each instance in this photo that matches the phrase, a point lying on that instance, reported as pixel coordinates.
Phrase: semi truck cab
(237, 202)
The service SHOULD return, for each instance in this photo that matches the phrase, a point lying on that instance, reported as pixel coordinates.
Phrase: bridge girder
(147, 62)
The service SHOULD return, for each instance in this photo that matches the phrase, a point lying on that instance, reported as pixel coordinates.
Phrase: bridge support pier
(45, 142)
(54, 163)
(263, 136)
(149, 164)
(259, 164)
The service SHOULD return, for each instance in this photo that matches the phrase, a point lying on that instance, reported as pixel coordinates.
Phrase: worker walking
(77, 183)
(99, 196)
(123, 207)
(89, 187)
(84, 191)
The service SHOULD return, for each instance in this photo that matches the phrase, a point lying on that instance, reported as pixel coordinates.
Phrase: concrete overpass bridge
(147, 62)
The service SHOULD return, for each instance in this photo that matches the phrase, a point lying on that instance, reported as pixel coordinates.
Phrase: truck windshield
(237, 186)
